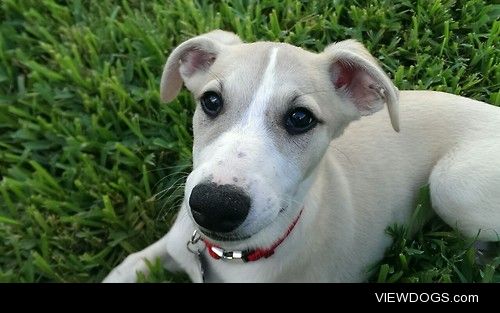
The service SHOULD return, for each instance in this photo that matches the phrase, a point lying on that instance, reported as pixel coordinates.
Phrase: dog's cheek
(286, 176)
(302, 155)
(202, 148)
(317, 147)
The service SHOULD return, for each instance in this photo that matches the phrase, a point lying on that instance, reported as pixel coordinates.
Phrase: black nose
(219, 208)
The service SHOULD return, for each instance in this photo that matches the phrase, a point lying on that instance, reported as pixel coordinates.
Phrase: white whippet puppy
(290, 185)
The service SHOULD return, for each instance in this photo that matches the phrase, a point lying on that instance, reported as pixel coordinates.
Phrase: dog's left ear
(358, 78)
(193, 56)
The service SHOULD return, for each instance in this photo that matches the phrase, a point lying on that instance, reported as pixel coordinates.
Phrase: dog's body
(345, 185)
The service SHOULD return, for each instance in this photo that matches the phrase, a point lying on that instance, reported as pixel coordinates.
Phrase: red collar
(217, 252)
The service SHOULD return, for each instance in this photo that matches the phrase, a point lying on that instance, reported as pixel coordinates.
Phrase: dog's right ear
(191, 57)
(357, 77)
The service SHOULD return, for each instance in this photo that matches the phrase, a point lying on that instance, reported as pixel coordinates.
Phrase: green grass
(85, 144)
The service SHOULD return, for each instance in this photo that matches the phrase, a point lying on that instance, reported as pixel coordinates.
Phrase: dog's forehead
(260, 51)
(248, 62)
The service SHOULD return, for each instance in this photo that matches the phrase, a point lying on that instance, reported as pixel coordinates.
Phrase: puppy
(296, 176)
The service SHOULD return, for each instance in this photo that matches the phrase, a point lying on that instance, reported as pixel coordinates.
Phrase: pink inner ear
(195, 60)
(343, 74)
(358, 84)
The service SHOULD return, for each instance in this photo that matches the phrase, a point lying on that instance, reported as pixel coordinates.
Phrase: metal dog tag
(200, 257)
(202, 260)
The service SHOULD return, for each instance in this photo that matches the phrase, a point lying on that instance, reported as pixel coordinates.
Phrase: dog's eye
(299, 120)
(211, 103)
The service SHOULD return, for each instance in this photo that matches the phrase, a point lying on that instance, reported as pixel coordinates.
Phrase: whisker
(166, 190)
(162, 214)
(172, 193)
(156, 169)
(171, 198)
(162, 179)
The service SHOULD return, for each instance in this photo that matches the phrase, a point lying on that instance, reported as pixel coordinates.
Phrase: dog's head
(266, 113)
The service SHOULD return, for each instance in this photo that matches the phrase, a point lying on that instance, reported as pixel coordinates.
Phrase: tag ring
(195, 237)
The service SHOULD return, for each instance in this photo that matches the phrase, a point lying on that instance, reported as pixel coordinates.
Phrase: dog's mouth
(223, 237)
(235, 237)
(249, 255)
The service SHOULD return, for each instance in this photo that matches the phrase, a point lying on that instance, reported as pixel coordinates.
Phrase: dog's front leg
(127, 271)
(170, 249)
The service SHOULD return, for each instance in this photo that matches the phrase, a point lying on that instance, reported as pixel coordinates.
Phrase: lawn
(92, 164)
